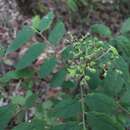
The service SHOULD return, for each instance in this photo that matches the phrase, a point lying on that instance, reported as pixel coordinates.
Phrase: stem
(43, 38)
(83, 108)
(123, 109)
(104, 54)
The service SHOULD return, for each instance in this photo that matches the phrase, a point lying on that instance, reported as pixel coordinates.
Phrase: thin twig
(123, 109)
(40, 34)
(104, 54)
(83, 107)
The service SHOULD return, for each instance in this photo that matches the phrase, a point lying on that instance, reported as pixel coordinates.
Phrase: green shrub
(94, 78)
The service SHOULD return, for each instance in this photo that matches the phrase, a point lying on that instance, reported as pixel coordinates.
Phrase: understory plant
(92, 76)
(75, 5)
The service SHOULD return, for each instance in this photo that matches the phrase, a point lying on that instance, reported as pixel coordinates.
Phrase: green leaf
(6, 113)
(58, 78)
(24, 73)
(32, 53)
(69, 84)
(2, 50)
(30, 99)
(23, 126)
(67, 126)
(46, 21)
(18, 100)
(37, 124)
(22, 37)
(67, 108)
(67, 53)
(84, 2)
(116, 77)
(100, 103)
(36, 22)
(26, 101)
(8, 76)
(47, 67)
(121, 39)
(57, 33)
(34, 125)
(100, 121)
(101, 29)
(122, 45)
(72, 5)
(125, 26)
(125, 99)
(95, 76)
(47, 105)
